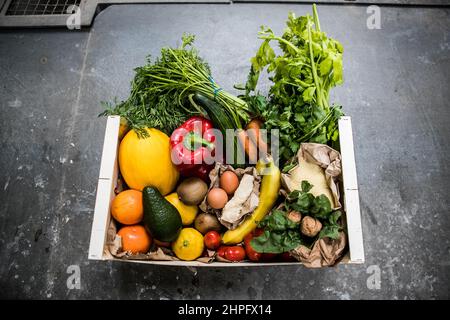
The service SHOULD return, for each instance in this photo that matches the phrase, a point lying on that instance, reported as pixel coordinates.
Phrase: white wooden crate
(108, 179)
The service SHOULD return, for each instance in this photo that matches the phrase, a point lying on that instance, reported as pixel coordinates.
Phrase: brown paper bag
(324, 252)
(321, 155)
(248, 207)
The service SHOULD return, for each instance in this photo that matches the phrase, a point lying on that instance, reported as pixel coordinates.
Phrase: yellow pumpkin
(147, 162)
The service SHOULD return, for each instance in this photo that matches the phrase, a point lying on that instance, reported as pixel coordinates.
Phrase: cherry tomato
(235, 253)
(212, 240)
(221, 251)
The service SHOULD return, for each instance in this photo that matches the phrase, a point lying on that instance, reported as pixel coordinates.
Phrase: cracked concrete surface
(396, 90)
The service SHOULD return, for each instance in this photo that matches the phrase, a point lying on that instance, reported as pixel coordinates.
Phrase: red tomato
(286, 257)
(251, 253)
(268, 256)
(221, 251)
(235, 253)
(257, 232)
(212, 240)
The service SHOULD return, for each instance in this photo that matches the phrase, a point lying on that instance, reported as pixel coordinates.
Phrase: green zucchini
(222, 121)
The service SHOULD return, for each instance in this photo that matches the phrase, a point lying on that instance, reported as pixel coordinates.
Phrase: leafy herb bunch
(309, 66)
(160, 90)
(281, 234)
(317, 207)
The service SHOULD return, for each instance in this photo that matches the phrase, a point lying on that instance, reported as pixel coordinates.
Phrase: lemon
(189, 244)
(187, 212)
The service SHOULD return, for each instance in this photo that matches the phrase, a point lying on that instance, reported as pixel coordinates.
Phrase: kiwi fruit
(205, 222)
(192, 191)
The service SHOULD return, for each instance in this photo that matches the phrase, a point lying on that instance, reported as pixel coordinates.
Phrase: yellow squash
(147, 162)
(189, 244)
(270, 186)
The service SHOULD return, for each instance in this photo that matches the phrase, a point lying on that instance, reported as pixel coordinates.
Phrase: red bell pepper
(193, 147)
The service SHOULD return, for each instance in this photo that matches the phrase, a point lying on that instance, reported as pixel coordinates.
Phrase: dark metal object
(40, 7)
(48, 13)
(45, 13)
(55, 13)
(358, 2)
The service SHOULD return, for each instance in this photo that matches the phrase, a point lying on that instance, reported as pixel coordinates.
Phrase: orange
(127, 207)
(135, 239)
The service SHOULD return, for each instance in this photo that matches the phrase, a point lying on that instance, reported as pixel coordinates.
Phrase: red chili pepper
(193, 147)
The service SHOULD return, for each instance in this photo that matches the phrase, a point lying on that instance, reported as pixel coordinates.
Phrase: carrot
(254, 133)
(250, 148)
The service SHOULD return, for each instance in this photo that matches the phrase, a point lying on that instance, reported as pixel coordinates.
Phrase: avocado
(161, 218)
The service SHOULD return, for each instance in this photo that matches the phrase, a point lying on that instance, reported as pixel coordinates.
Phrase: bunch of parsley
(317, 207)
(309, 66)
(282, 234)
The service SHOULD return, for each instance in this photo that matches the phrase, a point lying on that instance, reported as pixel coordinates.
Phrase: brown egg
(217, 198)
(229, 182)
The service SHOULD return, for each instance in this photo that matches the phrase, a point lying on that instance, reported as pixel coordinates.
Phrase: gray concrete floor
(396, 90)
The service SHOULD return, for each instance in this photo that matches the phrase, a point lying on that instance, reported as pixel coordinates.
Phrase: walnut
(294, 216)
(310, 226)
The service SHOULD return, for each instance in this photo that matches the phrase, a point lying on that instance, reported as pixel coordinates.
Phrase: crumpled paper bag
(325, 252)
(328, 159)
(249, 205)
